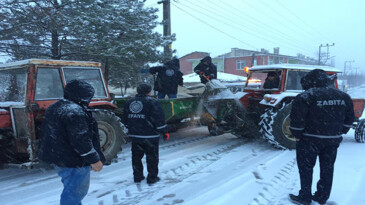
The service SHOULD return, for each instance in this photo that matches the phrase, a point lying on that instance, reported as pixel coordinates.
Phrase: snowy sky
(216, 26)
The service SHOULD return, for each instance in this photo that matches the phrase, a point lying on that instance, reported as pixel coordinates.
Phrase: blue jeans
(161, 95)
(76, 183)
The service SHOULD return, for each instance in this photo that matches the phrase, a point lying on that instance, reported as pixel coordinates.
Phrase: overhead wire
(262, 24)
(287, 20)
(279, 35)
(215, 28)
(257, 35)
(311, 28)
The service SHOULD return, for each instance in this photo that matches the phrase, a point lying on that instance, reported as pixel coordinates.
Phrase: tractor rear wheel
(111, 133)
(360, 131)
(274, 126)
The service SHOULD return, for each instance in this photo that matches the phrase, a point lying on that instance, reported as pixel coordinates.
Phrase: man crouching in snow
(319, 117)
(70, 141)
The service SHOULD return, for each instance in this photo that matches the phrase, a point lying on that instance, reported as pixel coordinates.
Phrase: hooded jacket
(144, 117)
(204, 70)
(320, 111)
(69, 133)
(169, 77)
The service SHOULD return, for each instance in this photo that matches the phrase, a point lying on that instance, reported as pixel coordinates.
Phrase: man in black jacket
(206, 70)
(70, 141)
(145, 120)
(319, 118)
(169, 77)
(272, 80)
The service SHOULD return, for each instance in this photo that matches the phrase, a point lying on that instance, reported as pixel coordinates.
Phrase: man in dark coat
(319, 118)
(206, 70)
(70, 141)
(272, 80)
(145, 120)
(169, 77)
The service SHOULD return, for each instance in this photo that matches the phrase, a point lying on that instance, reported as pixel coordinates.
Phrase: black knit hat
(271, 73)
(79, 91)
(144, 89)
(315, 78)
(207, 59)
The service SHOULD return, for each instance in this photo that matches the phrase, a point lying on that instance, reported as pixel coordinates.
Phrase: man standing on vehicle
(70, 141)
(169, 77)
(319, 117)
(206, 70)
(145, 120)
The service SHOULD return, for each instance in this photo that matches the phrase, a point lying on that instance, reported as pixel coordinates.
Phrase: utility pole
(344, 69)
(166, 25)
(319, 53)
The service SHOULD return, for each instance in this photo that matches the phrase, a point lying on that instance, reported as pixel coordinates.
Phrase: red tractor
(263, 108)
(29, 87)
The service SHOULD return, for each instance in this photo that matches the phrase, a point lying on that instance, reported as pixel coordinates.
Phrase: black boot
(298, 200)
(316, 199)
(153, 180)
(138, 179)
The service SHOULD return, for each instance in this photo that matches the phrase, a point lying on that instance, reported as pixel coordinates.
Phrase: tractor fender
(102, 105)
(274, 100)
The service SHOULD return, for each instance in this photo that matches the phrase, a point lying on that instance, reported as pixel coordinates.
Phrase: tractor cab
(29, 87)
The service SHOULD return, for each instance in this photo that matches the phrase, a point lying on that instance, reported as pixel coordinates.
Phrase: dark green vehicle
(179, 112)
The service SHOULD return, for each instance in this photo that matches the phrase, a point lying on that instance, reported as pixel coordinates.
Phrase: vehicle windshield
(268, 80)
(13, 85)
(293, 79)
(90, 75)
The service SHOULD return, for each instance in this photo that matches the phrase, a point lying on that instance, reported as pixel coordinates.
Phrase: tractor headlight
(269, 99)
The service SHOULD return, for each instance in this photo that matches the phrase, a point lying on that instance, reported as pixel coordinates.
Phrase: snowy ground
(198, 169)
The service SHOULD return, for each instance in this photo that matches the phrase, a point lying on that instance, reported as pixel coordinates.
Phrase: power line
(311, 28)
(296, 16)
(287, 20)
(261, 37)
(259, 22)
(281, 37)
(269, 17)
(215, 28)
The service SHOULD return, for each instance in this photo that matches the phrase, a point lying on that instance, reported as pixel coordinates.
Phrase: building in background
(186, 62)
(234, 61)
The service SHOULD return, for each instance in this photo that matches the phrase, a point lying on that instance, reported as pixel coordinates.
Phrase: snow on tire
(274, 126)
(111, 133)
(360, 131)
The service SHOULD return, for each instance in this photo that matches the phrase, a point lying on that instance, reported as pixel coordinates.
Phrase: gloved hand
(345, 130)
(197, 72)
(166, 136)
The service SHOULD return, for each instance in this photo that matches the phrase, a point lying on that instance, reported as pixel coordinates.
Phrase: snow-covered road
(199, 169)
(196, 168)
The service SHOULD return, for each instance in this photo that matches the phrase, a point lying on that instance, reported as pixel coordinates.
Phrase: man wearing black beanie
(145, 120)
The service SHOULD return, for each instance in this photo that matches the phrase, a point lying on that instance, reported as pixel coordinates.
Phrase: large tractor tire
(111, 132)
(360, 131)
(6, 154)
(274, 126)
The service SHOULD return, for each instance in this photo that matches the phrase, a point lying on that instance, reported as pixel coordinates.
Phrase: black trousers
(150, 148)
(307, 151)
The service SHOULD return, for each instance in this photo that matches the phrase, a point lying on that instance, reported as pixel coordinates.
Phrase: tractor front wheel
(111, 133)
(360, 131)
(274, 126)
